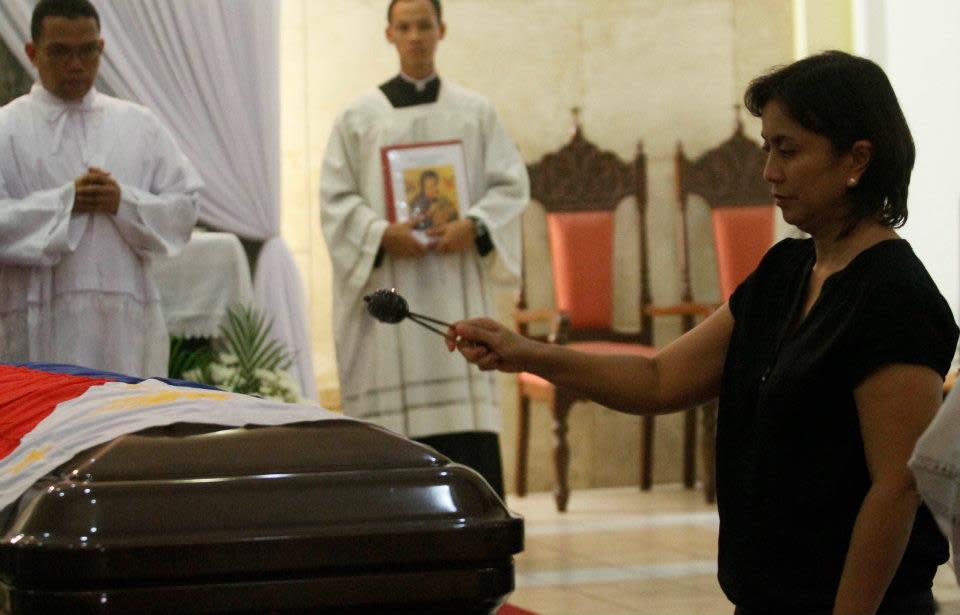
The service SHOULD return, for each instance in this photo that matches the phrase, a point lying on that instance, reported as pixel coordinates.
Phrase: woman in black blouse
(828, 361)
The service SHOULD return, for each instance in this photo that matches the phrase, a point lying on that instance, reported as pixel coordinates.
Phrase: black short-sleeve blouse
(791, 470)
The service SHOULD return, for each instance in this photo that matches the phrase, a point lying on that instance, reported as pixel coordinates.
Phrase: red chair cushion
(742, 236)
(594, 348)
(581, 252)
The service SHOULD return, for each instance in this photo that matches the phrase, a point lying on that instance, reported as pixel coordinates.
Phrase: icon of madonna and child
(431, 196)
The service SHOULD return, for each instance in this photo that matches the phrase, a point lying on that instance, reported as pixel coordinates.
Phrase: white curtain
(209, 69)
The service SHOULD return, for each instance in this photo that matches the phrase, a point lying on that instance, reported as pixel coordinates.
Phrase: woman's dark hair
(436, 8)
(845, 99)
(71, 9)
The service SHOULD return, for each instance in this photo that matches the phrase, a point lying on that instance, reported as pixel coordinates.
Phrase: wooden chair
(729, 178)
(579, 187)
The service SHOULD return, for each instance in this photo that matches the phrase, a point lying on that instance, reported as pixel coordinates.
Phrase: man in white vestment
(936, 467)
(91, 187)
(401, 376)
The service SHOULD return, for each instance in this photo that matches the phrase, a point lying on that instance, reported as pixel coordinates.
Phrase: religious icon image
(425, 184)
(431, 196)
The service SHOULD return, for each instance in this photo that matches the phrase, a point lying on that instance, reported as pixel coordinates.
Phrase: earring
(852, 182)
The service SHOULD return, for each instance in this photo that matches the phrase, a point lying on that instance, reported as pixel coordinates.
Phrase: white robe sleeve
(159, 220)
(38, 229)
(936, 466)
(507, 192)
(351, 227)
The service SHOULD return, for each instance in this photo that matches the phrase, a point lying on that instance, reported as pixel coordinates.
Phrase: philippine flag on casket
(48, 416)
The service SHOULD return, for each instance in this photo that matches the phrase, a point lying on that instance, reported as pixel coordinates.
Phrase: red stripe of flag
(28, 396)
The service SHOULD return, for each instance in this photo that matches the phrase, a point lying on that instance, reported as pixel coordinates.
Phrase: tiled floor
(623, 552)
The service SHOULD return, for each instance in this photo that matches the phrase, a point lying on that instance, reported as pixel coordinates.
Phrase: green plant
(187, 354)
(245, 337)
(246, 360)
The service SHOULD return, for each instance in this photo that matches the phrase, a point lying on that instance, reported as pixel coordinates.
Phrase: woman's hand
(487, 344)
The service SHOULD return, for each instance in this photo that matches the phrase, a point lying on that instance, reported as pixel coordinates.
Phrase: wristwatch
(481, 236)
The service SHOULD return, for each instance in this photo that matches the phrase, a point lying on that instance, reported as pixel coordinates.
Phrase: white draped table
(198, 285)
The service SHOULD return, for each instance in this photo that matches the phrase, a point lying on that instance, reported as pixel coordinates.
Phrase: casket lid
(198, 501)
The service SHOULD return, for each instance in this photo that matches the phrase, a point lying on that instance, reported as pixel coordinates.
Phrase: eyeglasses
(63, 53)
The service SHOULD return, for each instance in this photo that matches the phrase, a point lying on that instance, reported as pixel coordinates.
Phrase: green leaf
(187, 354)
(246, 336)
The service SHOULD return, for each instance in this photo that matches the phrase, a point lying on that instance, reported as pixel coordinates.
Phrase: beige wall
(655, 71)
(822, 24)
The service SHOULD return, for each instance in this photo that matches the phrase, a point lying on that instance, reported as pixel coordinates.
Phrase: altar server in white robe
(936, 466)
(401, 376)
(91, 187)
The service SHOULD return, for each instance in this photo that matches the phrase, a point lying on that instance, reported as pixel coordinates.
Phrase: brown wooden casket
(327, 517)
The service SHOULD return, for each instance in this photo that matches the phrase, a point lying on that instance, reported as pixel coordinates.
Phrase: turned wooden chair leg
(523, 442)
(690, 448)
(708, 451)
(561, 450)
(646, 453)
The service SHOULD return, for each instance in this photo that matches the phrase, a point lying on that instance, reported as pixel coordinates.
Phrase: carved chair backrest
(729, 178)
(580, 187)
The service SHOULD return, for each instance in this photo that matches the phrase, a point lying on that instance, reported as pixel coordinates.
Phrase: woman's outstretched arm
(684, 373)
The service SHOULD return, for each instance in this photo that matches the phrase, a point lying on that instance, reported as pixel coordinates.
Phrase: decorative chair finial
(577, 126)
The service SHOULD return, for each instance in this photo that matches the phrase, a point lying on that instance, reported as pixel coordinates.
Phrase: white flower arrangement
(246, 361)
